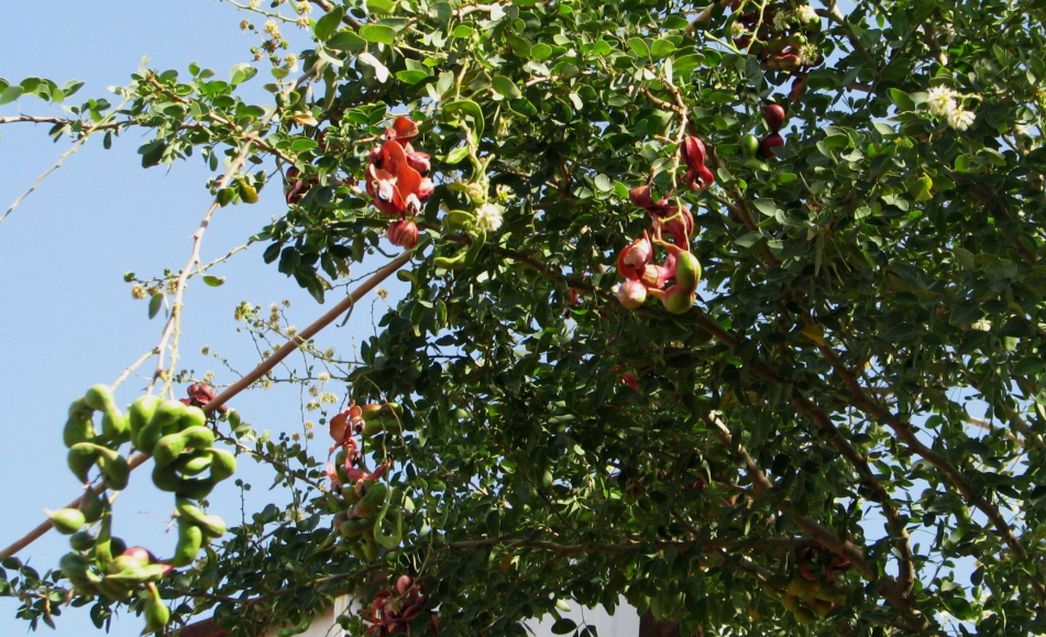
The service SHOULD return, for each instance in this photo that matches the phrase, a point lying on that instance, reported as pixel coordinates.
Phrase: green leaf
(661, 48)
(901, 99)
(540, 51)
(10, 94)
(326, 25)
(463, 32)
(380, 70)
(412, 76)
(213, 281)
(242, 72)
(684, 65)
(505, 87)
(378, 33)
(563, 625)
(639, 47)
(456, 155)
(347, 41)
(381, 6)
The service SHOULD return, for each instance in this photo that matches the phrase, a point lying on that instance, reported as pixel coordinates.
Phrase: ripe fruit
(774, 115)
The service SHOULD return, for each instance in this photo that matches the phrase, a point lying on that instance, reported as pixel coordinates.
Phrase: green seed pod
(78, 428)
(140, 412)
(166, 420)
(82, 457)
(156, 613)
(67, 521)
(115, 426)
(750, 145)
(194, 464)
(81, 541)
(116, 588)
(248, 193)
(190, 540)
(166, 479)
(373, 497)
(211, 525)
(225, 196)
(390, 540)
(171, 446)
(115, 470)
(223, 464)
(192, 416)
(99, 398)
(93, 505)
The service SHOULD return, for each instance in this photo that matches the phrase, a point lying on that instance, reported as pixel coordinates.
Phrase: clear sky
(68, 319)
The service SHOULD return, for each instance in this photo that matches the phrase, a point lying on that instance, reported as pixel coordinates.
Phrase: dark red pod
(768, 144)
(774, 115)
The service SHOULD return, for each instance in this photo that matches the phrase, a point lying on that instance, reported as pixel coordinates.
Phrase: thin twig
(61, 160)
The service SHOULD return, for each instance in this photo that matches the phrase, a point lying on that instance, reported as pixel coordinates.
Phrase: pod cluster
(674, 280)
(186, 463)
(365, 501)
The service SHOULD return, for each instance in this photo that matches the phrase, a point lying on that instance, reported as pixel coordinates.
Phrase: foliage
(843, 435)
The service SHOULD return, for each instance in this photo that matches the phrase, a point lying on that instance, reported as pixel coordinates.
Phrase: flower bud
(403, 233)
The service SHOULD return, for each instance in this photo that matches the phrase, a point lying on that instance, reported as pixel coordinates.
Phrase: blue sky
(68, 319)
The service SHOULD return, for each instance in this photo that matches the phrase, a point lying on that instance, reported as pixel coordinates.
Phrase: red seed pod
(403, 584)
(768, 144)
(633, 258)
(692, 151)
(403, 233)
(640, 196)
(774, 114)
(631, 294)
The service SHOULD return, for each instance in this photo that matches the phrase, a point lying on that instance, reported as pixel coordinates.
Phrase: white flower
(489, 217)
(941, 100)
(272, 28)
(960, 119)
(781, 20)
(806, 14)
(809, 54)
(737, 29)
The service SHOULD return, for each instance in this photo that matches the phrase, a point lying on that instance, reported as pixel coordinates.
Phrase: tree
(700, 299)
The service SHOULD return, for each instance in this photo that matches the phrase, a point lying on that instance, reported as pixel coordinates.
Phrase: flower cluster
(397, 180)
(349, 466)
(393, 612)
(489, 217)
(947, 103)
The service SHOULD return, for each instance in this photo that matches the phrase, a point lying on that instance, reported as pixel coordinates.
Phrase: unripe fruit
(750, 145)
(403, 233)
(631, 294)
(248, 193)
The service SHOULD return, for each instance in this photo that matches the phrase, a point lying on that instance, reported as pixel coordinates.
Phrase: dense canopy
(733, 311)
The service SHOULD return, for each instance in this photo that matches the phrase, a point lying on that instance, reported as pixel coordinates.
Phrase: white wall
(624, 623)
